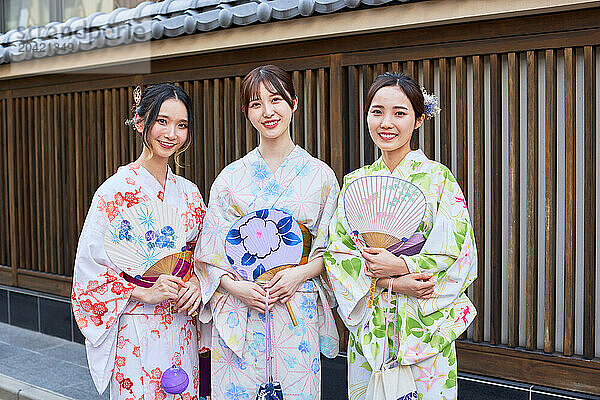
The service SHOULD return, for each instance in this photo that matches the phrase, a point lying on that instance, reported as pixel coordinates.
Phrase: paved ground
(47, 362)
(60, 366)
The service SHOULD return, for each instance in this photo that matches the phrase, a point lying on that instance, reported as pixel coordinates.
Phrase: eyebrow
(166, 116)
(271, 94)
(379, 106)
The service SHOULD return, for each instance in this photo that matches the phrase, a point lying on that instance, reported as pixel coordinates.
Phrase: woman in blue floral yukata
(276, 174)
(431, 302)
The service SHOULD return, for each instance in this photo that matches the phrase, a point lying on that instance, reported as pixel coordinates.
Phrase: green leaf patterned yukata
(430, 325)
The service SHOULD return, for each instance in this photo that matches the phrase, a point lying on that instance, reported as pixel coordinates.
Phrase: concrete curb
(13, 389)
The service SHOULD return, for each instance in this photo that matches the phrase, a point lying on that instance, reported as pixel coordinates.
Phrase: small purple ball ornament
(174, 380)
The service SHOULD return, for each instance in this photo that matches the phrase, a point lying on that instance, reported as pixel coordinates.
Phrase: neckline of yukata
(152, 181)
(283, 164)
(413, 155)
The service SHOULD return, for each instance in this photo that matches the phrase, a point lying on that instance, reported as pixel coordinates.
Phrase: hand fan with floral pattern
(143, 235)
(384, 212)
(263, 241)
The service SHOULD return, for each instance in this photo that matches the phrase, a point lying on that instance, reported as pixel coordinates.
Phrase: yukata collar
(151, 180)
(413, 155)
(256, 156)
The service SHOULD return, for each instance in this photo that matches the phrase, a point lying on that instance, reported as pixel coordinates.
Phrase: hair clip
(137, 98)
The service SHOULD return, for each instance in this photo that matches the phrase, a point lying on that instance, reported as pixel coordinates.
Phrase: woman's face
(270, 114)
(391, 120)
(170, 130)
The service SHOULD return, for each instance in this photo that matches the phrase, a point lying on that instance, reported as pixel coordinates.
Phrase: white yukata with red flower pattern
(129, 344)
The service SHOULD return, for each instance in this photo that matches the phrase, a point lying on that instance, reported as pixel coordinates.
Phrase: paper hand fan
(178, 264)
(384, 212)
(264, 241)
(143, 235)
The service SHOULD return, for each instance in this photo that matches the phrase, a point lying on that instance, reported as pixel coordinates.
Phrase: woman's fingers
(273, 281)
(171, 279)
(278, 291)
(177, 280)
(260, 307)
(169, 286)
(190, 302)
(171, 296)
(196, 305)
(369, 257)
(428, 284)
(425, 276)
(259, 290)
(183, 298)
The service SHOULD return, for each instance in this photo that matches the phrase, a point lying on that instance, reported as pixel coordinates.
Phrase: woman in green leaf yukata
(431, 304)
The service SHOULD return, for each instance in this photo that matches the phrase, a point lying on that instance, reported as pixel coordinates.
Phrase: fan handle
(372, 291)
(262, 279)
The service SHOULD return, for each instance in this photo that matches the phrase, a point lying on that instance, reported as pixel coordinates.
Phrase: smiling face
(169, 131)
(270, 114)
(391, 121)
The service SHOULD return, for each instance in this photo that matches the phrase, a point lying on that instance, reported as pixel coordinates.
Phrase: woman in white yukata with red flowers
(134, 333)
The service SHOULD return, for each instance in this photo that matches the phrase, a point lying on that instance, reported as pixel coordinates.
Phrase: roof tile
(157, 20)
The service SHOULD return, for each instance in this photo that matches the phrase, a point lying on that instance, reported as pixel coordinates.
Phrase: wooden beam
(462, 153)
(446, 115)
(335, 115)
(11, 189)
(479, 174)
(514, 197)
(531, 300)
(533, 368)
(590, 289)
(496, 199)
(47, 283)
(570, 202)
(550, 244)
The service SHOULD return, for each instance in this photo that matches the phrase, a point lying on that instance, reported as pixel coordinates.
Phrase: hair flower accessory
(135, 108)
(432, 104)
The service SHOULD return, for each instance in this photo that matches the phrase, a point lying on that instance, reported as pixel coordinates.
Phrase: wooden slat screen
(518, 128)
(5, 230)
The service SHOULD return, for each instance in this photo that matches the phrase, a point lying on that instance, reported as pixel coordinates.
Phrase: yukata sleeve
(100, 293)
(449, 252)
(330, 192)
(194, 217)
(229, 314)
(209, 257)
(346, 268)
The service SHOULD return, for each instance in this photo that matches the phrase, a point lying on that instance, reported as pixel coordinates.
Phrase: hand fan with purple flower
(385, 212)
(143, 235)
(264, 241)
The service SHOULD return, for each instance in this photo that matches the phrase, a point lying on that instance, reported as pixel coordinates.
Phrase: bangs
(275, 84)
(271, 83)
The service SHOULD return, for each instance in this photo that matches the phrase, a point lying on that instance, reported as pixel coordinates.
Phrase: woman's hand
(383, 264)
(189, 296)
(249, 293)
(419, 285)
(166, 287)
(285, 283)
